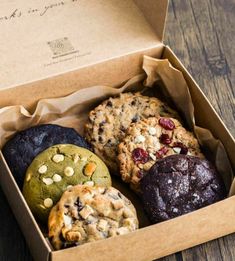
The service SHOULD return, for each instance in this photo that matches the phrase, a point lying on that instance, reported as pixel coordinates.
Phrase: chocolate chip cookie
(109, 121)
(150, 140)
(85, 214)
(179, 184)
(56, 169)
(20, 151)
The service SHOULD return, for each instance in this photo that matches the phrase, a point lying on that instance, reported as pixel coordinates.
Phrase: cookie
(179, 184)
(85, 214)
(149, 140)
(20, 151)
(109, 121)
(56, 169)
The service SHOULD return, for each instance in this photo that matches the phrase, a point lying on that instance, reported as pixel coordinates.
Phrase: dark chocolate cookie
(20, 151)
(179, 184)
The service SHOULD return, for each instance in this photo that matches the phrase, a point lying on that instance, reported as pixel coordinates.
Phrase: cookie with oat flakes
(85, 214)
(150, 140)
(109, 121)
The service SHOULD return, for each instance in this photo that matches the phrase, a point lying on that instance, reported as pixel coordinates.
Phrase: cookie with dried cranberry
(86, 214)
(56, 169)
(179, 184)
(109, 121)
(150, 140)
(20, 150)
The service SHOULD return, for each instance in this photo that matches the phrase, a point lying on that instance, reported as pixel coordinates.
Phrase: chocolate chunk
(78, 204)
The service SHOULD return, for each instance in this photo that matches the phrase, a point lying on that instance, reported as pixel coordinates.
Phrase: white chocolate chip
(42, 169)
(101, 190)
(152, 156)
(157, 145)
(129, 222)
(117, 204)
(177, 150)
(90, 183)
(139, 139)
(47, 181)
(88, 196)
(86, 211)
(57, 178)
(76, 158)
(41, 206)
(58, 158)
(48, 202)
(67, 220)
(102, 225)
(69, 171)
(152, 130)
(28, 177)
(122, 231)
(92, 219)
(127, 213)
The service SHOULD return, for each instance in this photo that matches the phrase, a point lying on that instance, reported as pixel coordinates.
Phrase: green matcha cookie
(55, 170)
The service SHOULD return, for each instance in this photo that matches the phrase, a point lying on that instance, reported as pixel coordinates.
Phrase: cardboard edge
(25, 94)
(203, 220)
(155, 13)
(36, 242)
(144, 243)
(228, 140)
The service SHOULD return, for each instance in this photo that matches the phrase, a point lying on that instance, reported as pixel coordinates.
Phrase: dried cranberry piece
(161, 152)
(140, 155)
(165, 139)
(140, 174)
(166, 123)
(184, 149)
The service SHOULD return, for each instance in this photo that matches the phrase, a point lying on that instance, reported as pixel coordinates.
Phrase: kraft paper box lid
(41, 39)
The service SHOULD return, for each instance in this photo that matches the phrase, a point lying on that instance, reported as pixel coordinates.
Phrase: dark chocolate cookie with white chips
(20, 150)
(149, 140)
(180, 184)
(109, 121)
(85, 214)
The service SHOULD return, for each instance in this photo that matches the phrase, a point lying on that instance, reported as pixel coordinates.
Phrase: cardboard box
(63, 46)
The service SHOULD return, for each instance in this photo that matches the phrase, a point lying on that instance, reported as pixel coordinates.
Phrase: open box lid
(40, 39)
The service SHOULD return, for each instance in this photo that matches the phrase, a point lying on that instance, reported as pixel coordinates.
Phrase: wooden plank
(203, 52)
(12, 243)
(201, 32)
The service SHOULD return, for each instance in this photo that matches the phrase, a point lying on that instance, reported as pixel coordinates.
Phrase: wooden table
(201, 32)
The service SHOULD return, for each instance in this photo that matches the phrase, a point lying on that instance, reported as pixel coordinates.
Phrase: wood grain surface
(201, 32)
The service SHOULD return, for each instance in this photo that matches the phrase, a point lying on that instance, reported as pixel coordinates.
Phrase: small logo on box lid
(61, 47)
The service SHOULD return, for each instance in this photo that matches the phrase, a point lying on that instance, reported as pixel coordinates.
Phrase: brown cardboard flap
(40, 39)
(155, 13)
(25, 219)
(214, 124)
(110, 73)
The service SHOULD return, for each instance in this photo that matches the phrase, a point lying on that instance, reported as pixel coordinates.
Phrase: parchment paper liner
(72, 111)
